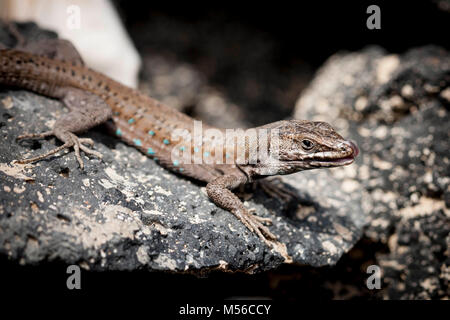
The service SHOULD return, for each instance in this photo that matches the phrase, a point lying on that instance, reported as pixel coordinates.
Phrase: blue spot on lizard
(137, 142)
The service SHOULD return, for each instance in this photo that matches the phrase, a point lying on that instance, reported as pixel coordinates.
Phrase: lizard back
(139, 120)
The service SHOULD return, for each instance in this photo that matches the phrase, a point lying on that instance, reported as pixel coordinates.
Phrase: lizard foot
(276, 189)
(69, 139)
(255, 224)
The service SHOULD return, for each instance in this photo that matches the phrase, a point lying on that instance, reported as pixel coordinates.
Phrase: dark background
(312, 30)
(278, 45)
(302, 37)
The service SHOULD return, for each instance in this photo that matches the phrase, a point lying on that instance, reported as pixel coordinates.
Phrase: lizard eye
(307, 144)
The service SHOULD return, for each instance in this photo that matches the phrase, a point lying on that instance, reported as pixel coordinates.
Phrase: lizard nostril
(350, 145)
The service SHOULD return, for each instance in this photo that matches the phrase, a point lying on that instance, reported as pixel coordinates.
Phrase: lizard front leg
(219, 191)
(86, 111)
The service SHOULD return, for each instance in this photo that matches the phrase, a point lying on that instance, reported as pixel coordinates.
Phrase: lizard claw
(255, 224)
(258, 218)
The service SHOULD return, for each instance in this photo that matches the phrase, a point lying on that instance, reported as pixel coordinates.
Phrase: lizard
(55, 69)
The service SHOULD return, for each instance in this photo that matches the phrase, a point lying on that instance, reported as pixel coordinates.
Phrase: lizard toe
(261, 230)
(35, 135)
(262, 220)
(45, 155)
(90, 151)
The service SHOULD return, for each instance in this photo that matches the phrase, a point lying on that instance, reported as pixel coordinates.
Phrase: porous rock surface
(126, 212)
(396, 106)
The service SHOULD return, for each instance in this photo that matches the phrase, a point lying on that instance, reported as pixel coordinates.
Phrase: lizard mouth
(338, 162)
(347, 159)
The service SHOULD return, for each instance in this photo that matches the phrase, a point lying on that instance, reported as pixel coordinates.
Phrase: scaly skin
(147, 124)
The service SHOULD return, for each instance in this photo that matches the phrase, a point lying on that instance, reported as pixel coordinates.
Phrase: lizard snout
(353, 146)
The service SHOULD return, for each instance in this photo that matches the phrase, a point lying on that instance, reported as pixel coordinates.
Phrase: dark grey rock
(418, 265)
(29, 29)
(397, 108)
(126, 212)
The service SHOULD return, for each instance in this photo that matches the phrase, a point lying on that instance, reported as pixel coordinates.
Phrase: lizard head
(303, 145)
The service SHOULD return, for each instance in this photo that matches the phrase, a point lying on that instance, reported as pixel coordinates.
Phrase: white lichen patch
(7, 102)
(15, 170)
(349, 185)
(343, 231)
(118, 179)
(384, 196)
(160, 190)
(425, 206)
(361, 103)
(391, 264)
(101, 233)
(223, 265)
(394, 102)
(197, 220)
(19, 190)
(154, 212)
(386, 66)
(40, 196)
(124, 184)
(381, 132)
(142, 254)
(86, 182)
(304, 211)
(380, 222)
(407, 91)
(50, 123)
(364, 132)
(430, 284)
(381, 164)
(446, 94)
(165, 261)
(329, 247)
(161, 229)
(106, 184)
